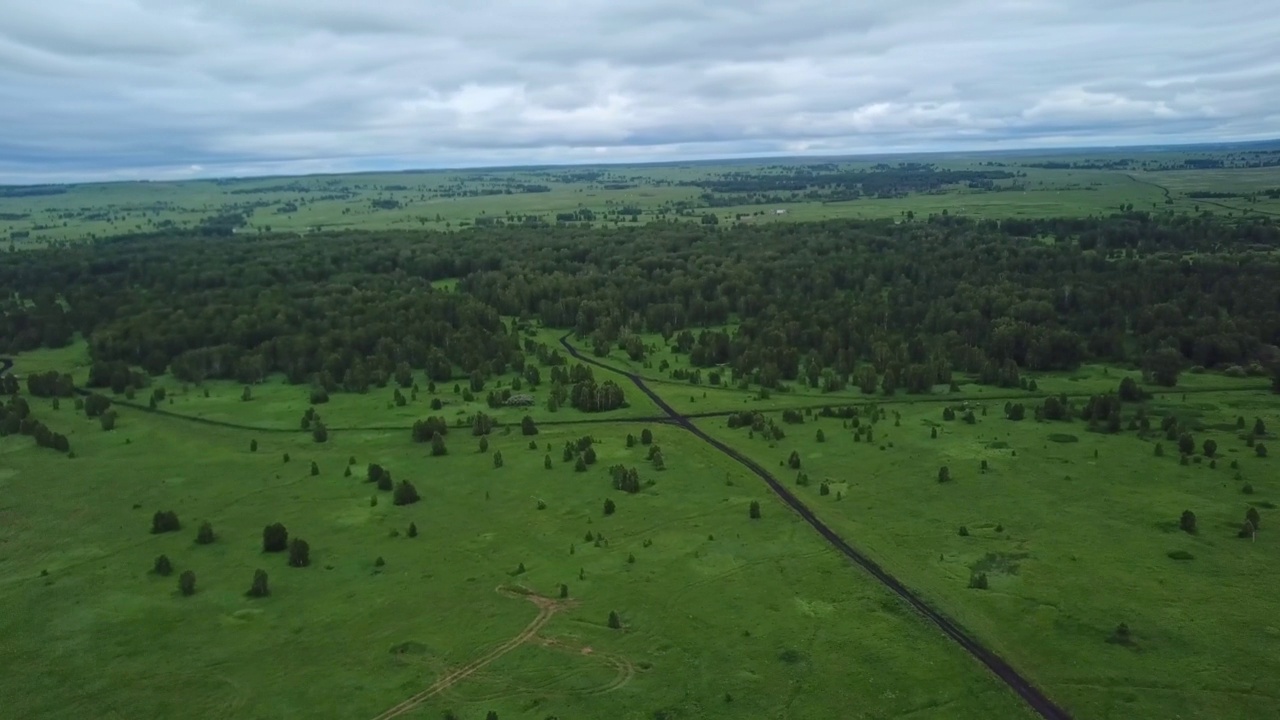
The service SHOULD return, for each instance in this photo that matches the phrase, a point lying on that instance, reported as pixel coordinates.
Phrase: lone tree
(484, 443)
(1188, 522)
(753, 511)
(615, 622)
(793, 460)
(315, 469)
(187, 583)
(820, 436)
(162, 566)
(944, 474)
(609, 507)
(437, 446)
(527, 427)
(275, 538)
(299, 553)
(405, 494)
(259, 587)
(1210, 448)
(497, 459)
(204, 535)
(646, 436)
(165, 521)
(546, 462)
(1186, 444)
(413, 530)
(1259, 427)
(1251, 515)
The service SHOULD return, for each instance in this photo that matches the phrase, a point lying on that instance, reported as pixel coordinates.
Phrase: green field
(631, 539)
(723, 616)
(1068, 183)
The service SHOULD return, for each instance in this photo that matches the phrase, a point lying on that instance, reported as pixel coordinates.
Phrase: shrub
(259, 587)
(204, 535)
(275, 538)
(162, 566)
(944, 474)
(1187, 522)
(1210, 447)
(286, 457)
(546, 463)
(527, 426)
(253, 446)
(820, 436)
(413, 530)
(964, 531)
(646, 436)
(564, 591)
(609, 507)
(1181, 555)
(753, 511)
(1260, 450)
(1159, 451)
(933, 433)
(824, 489)
(187, 583)
(165, 521)
(315, 469)
(497, 459)
(405, 493)
(615, 622)
(580, 465)
(793, 461)
(1251, 516)
(978, 581)
(379, 562)
(1247, 489)
(299, 553)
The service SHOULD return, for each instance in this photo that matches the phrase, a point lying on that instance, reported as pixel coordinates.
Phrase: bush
(1187, 522)
(964, 531)
(1181, 555)
(187, 583)
(413, 530)
(405, 493)
(484, 443)
(546, 463)
(1210, 447)
(753, 511)
(615, 622)
(609, 507)
(944, 474)
(259, 587)
(275, 538)
(204, 535)
(437, 446)
(820, 436)
(162, 566)
(1260, 450)
(299, 553)
(646, 436)
(978, 581)
(315, 469)
(165, 521)
(1247, 489)
(253, 446)
(497, 459)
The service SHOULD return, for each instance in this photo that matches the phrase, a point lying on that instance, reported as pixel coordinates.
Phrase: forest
(880, 305)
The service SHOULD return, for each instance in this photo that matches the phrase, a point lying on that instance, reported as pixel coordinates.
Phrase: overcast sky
(107, 89)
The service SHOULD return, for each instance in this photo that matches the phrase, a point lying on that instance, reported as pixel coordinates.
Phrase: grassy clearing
(1074, 531)
(450, 199)
(715, 606)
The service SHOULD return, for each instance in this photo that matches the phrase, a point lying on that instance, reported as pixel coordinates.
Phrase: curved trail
(546, 609)
(1038, 701)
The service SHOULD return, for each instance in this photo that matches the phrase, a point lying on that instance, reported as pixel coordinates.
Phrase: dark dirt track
(1043, 706)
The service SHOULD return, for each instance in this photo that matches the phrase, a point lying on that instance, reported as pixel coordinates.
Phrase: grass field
(1091, 183)
(1073, 529)
(722, 616)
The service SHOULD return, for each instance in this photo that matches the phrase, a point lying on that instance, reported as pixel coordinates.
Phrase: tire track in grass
(1030, 694)
(547, 608)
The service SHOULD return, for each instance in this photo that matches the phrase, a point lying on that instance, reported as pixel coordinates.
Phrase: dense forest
(879, 305)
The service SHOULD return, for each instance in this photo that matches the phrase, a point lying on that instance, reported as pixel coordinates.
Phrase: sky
(167, 89)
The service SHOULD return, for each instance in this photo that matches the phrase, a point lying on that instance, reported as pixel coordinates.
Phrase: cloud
(170, 88)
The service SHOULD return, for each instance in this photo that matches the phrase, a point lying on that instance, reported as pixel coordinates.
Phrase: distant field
(1074, 183)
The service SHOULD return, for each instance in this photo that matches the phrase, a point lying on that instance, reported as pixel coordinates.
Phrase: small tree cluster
(275, 538)
(205, 536)
(299, 553)
(165, 521)
(625, 479)
(405, 493)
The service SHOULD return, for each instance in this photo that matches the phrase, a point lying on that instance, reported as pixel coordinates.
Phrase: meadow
(1239, 180)
(721, 615)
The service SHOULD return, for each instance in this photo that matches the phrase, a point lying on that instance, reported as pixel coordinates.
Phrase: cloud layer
(167, 88)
